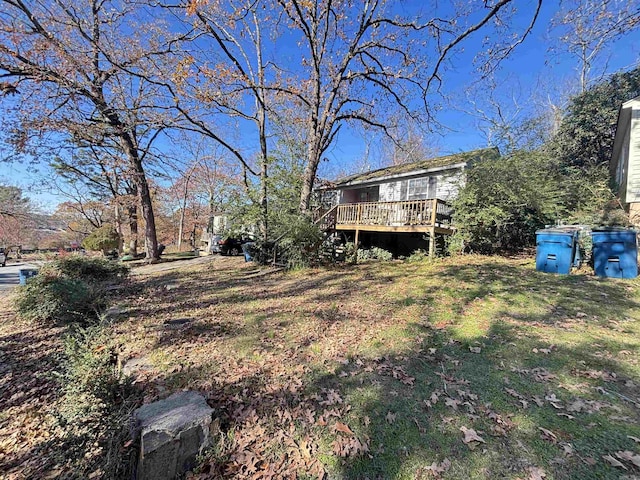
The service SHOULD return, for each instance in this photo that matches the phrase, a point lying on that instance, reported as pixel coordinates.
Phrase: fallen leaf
(452, 402)
(576, 406)
(548, 435)
(390, 417)
(439, 468)
(536, 473)
(471, 436)
(475, 349)
(635, 439)
(562, 414)
(554, 401)
(629, 457)
(614, 462)
(341, 427)
(567, 449)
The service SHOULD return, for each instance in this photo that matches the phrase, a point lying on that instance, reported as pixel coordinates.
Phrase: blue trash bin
(615, 252)
(25, 274)
(557, 250)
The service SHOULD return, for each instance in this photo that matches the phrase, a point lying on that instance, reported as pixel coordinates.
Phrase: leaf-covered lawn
(469, 367)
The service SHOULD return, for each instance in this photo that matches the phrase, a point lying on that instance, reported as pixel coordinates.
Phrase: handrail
(329, 215)
(429, 212)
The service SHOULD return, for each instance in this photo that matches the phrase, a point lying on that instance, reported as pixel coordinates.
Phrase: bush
(418, 256)
(68, 290)
(102, 239)
(504, 202)
(364, 254)
(297, 244)
(58, 300)
(96, 407)
(92, 270)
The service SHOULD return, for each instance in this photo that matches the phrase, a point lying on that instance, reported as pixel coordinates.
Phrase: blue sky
(532, 73)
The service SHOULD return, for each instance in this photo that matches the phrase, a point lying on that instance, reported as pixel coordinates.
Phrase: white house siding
(390, 192)
(622, 164)
(633, 180)
(447, 186)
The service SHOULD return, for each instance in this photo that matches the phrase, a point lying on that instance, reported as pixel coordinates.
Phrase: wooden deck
(432, 216)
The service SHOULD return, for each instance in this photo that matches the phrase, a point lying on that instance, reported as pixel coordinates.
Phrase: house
(624, 166)
(400, 208)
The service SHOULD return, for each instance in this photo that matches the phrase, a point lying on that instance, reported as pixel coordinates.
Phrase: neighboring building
(397, 207)
(625, 158)
(218, 224)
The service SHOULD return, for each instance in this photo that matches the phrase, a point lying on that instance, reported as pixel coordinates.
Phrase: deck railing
(431, 212)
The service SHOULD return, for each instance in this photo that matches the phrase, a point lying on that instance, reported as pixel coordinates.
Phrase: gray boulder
(172, 433)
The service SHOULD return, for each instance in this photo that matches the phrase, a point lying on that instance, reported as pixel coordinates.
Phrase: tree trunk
(144, 194)
(132, 210)
(180, 228)
(118, 220)
(150, 238)
(313, 160)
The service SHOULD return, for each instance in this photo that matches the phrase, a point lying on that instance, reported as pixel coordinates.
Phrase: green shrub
(504, 201)
(297, 244)
(68, 290)
(374, 253)
(96, 405)
(418, 256)
(102, 239)
(58, 300)
(92, 270)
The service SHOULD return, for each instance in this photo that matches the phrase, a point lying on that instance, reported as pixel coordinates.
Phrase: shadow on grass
(545, 343)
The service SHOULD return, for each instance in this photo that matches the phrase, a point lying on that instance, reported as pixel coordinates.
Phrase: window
(421, 188)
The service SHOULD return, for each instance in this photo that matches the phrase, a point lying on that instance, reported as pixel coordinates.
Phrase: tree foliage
(583, 147)
(504, 201)
(102, 239)
(585, 136)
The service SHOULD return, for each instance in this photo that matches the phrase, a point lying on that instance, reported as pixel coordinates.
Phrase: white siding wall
(448, 184)
(390, 192)
(633, 180)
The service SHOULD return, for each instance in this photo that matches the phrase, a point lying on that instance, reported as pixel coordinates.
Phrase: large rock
(172, 432)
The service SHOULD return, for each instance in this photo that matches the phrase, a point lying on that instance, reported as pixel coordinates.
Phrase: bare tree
(91, 173)
(75, 65)
(587, 27)
(362, 61)
(225, 83)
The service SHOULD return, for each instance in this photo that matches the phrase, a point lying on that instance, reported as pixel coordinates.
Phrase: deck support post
(355, 250)
(432, 229)
(432, 241)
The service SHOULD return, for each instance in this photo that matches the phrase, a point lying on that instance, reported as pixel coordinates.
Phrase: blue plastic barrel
(25, 274)
(557, 250)
(615, 252)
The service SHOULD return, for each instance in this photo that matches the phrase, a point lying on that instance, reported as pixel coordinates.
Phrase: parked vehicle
(228, 245)
(3, 258)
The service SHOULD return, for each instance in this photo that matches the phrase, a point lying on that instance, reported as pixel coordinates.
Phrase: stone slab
(172, 433)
